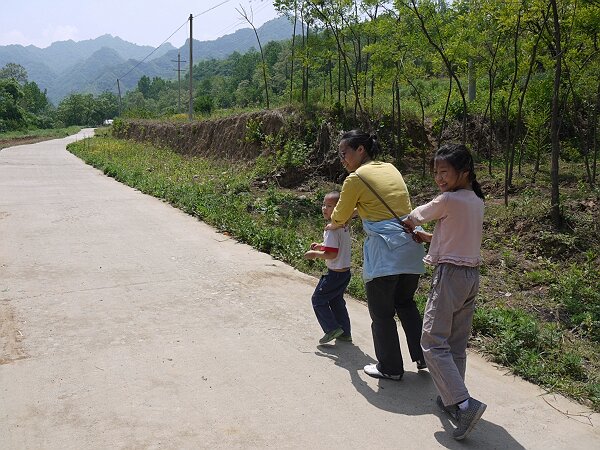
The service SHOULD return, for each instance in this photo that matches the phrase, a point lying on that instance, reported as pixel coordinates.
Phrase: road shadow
(414, 395)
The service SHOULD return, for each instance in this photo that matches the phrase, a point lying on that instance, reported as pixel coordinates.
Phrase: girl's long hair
(356, 138)
(459, 157)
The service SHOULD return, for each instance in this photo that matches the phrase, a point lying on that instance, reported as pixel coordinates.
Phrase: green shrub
(293, 155)
(576, 289)
(254, 133)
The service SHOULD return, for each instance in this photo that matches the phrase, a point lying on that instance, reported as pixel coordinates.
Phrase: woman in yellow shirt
(392, 259)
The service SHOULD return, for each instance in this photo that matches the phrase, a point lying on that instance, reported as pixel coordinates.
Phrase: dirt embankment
(224, 138)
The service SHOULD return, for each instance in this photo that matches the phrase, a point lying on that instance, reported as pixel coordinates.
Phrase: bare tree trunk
(595, 136)
(448, 65)
(532, 61)
(293, 50)
(394, 137)
(443, 125)
(555, 121)
(424, 150)
(339, 41)
(339, 77)
(306, 67)
(330, 67)
(504, 108)
(492, 70)
(400, 152)
(303, 50)
(508, 140)
(538, 155)
(242, 12)
(472, 90)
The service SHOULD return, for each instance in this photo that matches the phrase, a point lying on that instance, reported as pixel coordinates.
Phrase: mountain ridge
(84, 66)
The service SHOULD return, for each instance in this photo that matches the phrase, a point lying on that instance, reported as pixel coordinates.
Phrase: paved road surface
(125, 323)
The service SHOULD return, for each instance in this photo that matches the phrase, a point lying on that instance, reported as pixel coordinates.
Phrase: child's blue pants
(328, 301)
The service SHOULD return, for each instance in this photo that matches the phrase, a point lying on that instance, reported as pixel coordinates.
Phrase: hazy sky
(144, 22)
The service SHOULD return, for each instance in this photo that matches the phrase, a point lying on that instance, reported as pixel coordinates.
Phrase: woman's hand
(331, 226)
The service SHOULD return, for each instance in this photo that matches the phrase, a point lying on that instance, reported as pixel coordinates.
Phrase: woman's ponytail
(356, 138)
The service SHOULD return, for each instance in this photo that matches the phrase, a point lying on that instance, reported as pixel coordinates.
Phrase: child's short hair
(334, 194)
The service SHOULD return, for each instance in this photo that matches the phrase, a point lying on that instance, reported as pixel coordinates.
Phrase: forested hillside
(93, 66)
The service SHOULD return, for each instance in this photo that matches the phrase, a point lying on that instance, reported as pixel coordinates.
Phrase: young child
(328, 298)
(455, 251)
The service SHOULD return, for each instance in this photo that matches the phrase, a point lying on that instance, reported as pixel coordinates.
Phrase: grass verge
(11, 138)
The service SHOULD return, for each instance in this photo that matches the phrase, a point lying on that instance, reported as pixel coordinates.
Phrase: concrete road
(127, 324)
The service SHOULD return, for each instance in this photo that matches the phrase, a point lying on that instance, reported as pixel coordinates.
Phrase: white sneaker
(373, 371)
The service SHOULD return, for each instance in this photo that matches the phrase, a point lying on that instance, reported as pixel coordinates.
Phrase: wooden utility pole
(191, 111)
(120, 103)
(179, 61)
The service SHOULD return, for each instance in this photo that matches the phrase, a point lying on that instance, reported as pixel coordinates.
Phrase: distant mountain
(94, 65)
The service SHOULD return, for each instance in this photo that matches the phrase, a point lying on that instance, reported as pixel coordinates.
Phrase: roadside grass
(50, 132)
(11, 138)
(539, 307)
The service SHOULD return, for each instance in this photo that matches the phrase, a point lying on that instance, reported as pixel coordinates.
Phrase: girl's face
(448, 178)
(329, 203)
(351, 159)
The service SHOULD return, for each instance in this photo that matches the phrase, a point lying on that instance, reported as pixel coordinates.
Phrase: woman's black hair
(356, 138)
(459, 157)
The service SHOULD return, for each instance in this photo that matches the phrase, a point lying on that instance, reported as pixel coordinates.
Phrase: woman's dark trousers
(386, 297)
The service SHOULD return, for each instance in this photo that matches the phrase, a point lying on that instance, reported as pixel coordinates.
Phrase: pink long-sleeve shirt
(457, 233)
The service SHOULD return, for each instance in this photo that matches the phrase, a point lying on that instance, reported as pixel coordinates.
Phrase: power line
(179, 28)
(210, 9)
(147, 56)
(241, 21)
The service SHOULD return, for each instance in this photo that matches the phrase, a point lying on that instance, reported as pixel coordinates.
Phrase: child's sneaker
(333, 334)
(468, 418)
(421, 364)
(345, 338)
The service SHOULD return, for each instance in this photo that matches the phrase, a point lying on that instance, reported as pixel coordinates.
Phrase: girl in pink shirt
(455, 251)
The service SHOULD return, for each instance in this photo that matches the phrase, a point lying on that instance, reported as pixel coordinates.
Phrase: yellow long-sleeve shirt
(387, 182)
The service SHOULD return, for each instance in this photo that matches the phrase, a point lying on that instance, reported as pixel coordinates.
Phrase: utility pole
(120, 104)
(191, 112)
(179, 61)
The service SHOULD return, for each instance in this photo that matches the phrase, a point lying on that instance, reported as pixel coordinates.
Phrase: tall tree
(15, 71)
(250, 19)
(555, 119)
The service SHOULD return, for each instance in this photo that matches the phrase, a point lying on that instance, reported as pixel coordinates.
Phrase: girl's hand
(408, 224)
(315, 246)
(421, 236)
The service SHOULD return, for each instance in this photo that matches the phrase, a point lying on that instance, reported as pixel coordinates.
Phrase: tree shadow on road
(414, 395)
